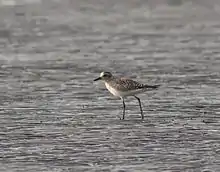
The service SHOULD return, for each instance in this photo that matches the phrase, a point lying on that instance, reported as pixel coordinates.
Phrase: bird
(123, 87)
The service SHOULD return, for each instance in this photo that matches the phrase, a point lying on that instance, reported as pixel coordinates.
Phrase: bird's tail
(151, 86)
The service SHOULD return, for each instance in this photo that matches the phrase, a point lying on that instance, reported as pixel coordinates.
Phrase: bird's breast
(112, 90)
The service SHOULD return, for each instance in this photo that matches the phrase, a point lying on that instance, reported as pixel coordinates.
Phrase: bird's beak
(99, 78)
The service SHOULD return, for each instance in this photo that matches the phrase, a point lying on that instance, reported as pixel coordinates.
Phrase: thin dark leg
(123, 117)
(139, 101)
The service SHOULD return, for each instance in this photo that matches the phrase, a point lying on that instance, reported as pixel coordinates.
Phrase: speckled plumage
(126, 84)
(123, 87)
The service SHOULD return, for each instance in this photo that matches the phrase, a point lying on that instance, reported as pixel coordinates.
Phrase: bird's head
(104, 76)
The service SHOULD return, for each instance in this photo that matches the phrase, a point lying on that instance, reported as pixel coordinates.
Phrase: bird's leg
(139, 101)
(123, 117)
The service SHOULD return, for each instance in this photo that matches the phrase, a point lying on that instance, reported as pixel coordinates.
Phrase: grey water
(54, 118)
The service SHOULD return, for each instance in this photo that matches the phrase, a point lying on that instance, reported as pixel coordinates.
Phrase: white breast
(112, 90)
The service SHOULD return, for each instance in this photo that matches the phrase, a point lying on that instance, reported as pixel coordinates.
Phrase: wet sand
(53, 117)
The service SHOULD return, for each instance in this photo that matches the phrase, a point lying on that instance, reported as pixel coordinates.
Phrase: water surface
(55, 118)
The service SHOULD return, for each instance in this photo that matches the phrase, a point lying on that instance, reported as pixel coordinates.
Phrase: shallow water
(55, 118)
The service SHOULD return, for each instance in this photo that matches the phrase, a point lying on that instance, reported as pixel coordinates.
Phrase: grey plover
(124, 87)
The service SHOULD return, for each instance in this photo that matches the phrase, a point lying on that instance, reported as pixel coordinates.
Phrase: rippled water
(53, 117)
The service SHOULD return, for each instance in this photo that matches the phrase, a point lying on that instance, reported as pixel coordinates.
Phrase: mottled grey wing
(124, 84)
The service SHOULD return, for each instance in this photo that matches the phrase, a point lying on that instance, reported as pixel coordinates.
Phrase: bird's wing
(125, 84)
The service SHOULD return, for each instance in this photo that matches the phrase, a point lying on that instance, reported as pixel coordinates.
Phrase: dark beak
(97, 79)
